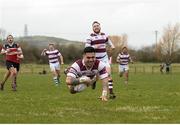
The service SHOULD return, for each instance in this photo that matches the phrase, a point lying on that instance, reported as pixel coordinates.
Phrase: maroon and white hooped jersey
(99, 43)
(79, 69)
(123, 58)
(53, 55)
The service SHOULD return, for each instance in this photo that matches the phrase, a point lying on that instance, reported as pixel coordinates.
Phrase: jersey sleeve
(19, 48)
(73, 70)
(3, 49)
(59, 54)
(88, 42)
(109, 42)
(118, 57)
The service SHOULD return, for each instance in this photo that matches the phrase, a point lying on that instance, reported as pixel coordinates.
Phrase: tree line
(165, 50)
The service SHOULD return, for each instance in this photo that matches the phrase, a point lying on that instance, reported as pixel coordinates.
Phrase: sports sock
(110, 86)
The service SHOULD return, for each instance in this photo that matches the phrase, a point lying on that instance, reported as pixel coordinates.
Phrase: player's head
(10, 39)
(124, 49)
(96, 27)
(51, 46)
(89, 56)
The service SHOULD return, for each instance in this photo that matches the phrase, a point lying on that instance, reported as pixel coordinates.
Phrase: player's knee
(13, 72)
(110, 80)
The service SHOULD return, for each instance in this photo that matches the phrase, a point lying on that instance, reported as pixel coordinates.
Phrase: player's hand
(44, 49)
(8, 50)
(84, 79)
(20, 56)
(93, 80)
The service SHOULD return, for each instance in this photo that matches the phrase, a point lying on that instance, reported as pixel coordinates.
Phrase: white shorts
(123, 68)
(54, 66)
(105, 61)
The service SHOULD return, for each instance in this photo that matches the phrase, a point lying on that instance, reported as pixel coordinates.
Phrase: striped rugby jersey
(14, 47)
(99, 43)
(53, 55)
(123, 58)
(78, 69)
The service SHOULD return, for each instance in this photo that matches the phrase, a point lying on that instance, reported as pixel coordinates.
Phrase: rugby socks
(14, 84)
(56, 81)
(15, 81)
(58, 78)
(110, 85)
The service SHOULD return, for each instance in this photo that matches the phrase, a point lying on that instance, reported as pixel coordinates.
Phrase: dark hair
(124, 47)
(9, 36)
(89, 50)
(95, 22)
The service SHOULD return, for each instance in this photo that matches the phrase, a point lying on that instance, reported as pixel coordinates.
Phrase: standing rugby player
(13, 54)
(99, 42)
(123, 59)
(55, 59)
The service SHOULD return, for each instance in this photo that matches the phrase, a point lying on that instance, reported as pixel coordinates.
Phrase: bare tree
(168, 44)
(2, 33)
(119, 41)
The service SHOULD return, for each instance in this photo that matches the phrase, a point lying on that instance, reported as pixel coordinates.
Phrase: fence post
(143, 69)
(32, 70)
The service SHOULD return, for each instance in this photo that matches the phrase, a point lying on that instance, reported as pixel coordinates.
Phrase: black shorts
(10, 64)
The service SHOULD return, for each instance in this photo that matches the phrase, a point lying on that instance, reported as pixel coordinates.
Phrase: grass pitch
(149, 98)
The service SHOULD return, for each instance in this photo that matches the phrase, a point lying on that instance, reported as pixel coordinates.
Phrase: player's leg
(57, 69)
(10, 73)
(126, 74)
(110, 83)
(6, 76)
(54, 73)
(13, 74)
(17, 67)
(126, 77)
(121, 70)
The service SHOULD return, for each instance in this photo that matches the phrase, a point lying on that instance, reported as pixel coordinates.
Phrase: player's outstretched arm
(62, 59)
(76, 81)
(43, 52)
(131, 61)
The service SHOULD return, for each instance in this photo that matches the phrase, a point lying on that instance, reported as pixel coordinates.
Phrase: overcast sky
(72, 19)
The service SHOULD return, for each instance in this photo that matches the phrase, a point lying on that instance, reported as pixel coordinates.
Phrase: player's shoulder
(79, 62)
(5, 44)
(16, 45)
(102, 33)
(92, 34)
(56, 50)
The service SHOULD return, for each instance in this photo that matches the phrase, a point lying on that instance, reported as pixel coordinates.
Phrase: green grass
(149, 98)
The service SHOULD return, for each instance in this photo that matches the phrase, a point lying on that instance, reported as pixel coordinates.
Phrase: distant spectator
(43, 72)
(162, 67)
(168, 65)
